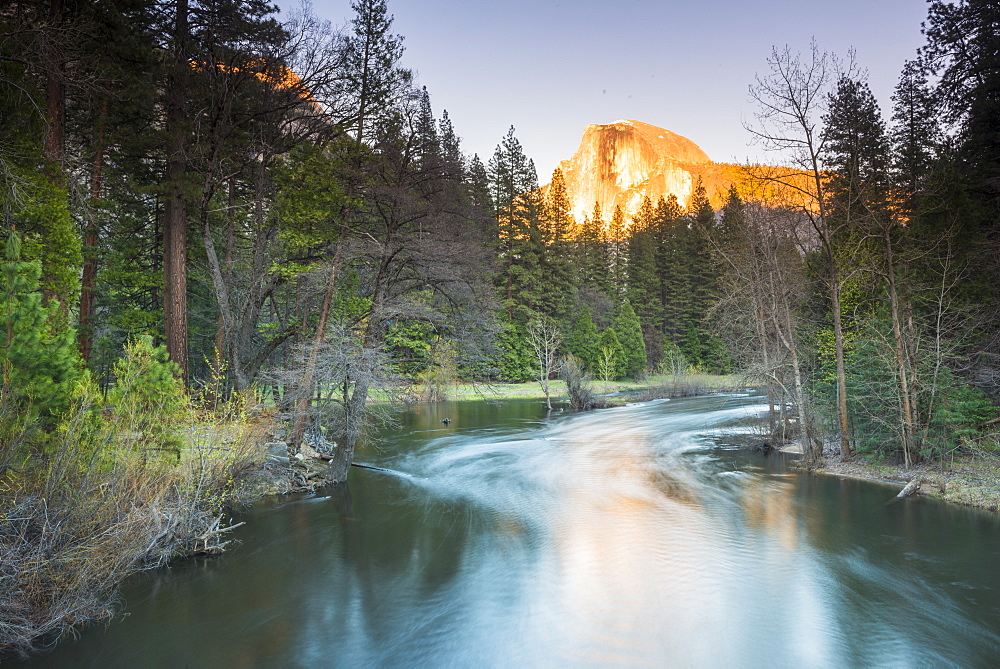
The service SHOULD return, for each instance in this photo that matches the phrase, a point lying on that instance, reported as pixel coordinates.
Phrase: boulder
(276, 448)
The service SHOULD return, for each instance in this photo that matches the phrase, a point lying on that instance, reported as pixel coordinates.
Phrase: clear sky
(551, 67)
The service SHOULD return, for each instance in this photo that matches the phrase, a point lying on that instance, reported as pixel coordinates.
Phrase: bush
(148, 398)
(581, 395)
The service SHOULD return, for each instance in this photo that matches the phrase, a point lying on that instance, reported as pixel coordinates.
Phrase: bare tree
(544, 339)
(762, 290)
(790, 100)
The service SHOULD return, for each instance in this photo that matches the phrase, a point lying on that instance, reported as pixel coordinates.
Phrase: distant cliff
(623, 162)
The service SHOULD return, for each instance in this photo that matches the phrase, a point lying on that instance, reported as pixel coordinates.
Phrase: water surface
(635, 536)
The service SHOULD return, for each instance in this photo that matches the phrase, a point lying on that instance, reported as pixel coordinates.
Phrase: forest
(217, 218)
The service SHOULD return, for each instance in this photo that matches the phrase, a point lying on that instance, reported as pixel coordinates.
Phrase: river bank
(970, 480)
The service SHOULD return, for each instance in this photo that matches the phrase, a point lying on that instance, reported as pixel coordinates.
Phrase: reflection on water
(621, 537)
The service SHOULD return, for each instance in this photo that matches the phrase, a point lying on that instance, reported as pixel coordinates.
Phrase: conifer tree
(617, 253)
(480, 195)
(642, 266)
(915, 134)
(451, 151)
(558, 278)
(673, 269)
(39, 362)
(373, 78)
(514, 191)
(629, 331)
(594, 271)
(583, 341)
(426, 133)
(701, 345)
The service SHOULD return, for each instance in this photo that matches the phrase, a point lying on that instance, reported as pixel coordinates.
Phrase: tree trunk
(55, 87)
(309, 373)
(175, 206)
(900, 351)
(89, 277)
(838, 336)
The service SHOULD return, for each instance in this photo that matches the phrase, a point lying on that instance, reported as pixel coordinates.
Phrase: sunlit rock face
(623, 162)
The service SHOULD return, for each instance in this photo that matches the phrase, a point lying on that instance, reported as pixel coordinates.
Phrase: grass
(706, 383)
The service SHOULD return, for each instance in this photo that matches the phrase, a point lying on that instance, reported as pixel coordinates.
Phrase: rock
(308, 452)
(278, 460)
(911, 488)
(278, 448)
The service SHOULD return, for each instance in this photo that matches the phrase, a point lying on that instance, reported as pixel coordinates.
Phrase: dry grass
(94, 508)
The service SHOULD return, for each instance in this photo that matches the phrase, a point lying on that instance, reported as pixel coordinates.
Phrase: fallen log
(910, 488)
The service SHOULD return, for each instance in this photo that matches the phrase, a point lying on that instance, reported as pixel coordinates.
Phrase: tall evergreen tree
(629, 330)
(559, 282)
(642, 265)
(514, 191)
(673, 269)
(583, 341)
(915, 133)
(373, 79)
(617, 253)
(963, 49)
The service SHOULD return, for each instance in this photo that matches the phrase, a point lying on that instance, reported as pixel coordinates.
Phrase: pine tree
(915, 134)
(40, 366)
(451, 151)
(373, 78)
(626, 325)
(700, 344)
(642, 266)
(857, 150)
(963, 49)
(514, 191)
(428, 146)
(617, 253)
(148, 395)
(559, 285)
(583, 341)
(673, 269)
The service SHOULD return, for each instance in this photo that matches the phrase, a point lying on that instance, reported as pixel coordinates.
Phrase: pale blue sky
(551, 67)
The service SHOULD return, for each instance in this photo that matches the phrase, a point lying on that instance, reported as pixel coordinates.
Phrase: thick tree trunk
(354, 419)
(55, 87)
(175, 206)
(89, 277)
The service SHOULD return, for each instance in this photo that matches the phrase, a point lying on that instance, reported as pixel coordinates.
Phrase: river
(634, 536)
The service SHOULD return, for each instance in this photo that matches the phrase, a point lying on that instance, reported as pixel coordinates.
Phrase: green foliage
(51, 238)
(409, 343)
(440, 373)
(611, 361)
(957, 415)
(310, 199)
(148, 397)
(39, 361)
(629, 331)
(583, 341)
(516, 360)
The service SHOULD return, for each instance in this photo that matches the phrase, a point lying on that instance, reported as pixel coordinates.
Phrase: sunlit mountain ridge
(622, 163)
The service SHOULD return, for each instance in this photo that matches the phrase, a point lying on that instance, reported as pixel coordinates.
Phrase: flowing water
(632, 536)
